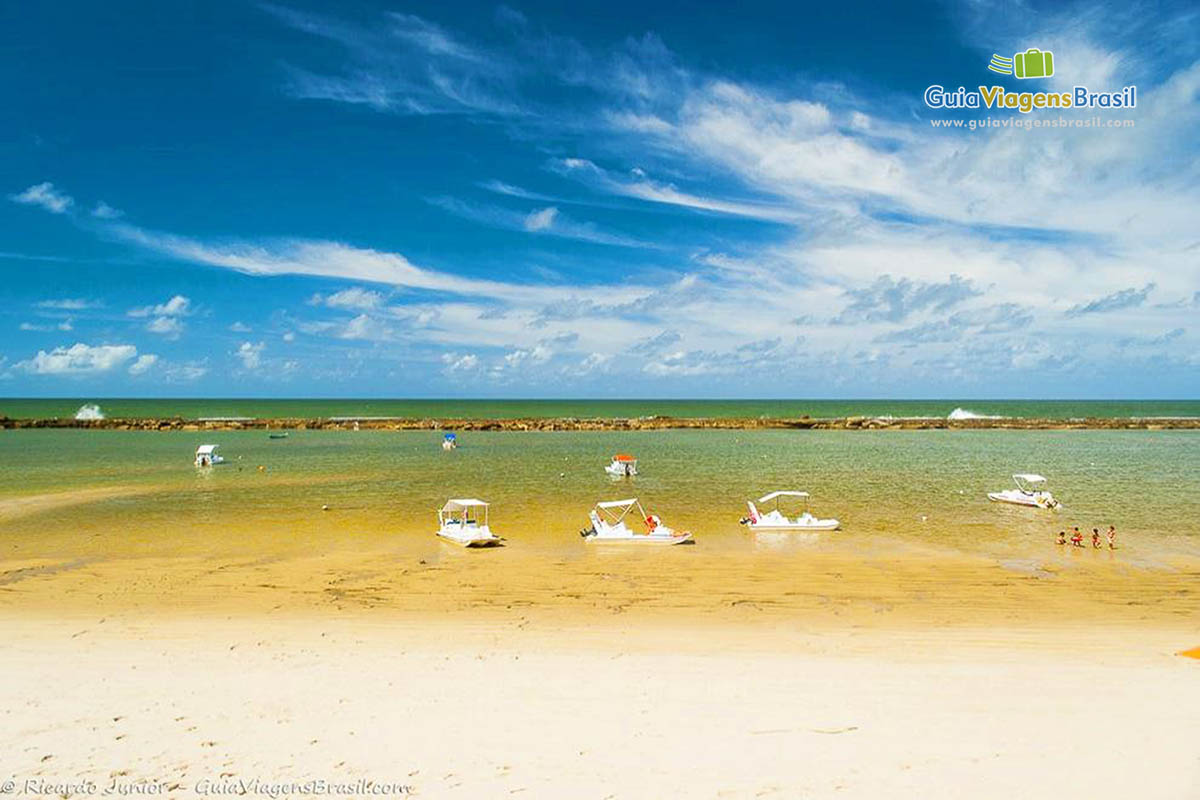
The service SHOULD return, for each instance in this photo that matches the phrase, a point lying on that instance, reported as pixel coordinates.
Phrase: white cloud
(166, 316)
(79, 359)
(239, 327)
(250, 354)
(177, 306)
(594, 362)
(457, 363)
(64, 325)
(546, 221)
(353, 299)
(69, 304)
(185, 373)
(289, 336)
(103, 210)
(365, 327)
(165, 326)
(337, 260)
(541, 220)
(143, 364)
(46, 196)
(535, 355)
(406, 65)
(641, 188)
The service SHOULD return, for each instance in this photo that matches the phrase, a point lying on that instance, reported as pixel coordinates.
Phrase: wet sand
(899, 586)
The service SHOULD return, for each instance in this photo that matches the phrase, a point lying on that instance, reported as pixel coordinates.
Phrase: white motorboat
(776, 520)
(207, 456)
(459, 522)
(609, 525)
(622, 466)
(449, 442)
(1030, 491)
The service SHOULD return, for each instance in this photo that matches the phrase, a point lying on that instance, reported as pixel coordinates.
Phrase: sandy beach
(462, 708)
(921, 674)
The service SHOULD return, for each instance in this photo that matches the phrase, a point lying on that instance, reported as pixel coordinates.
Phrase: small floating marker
(261, 468)
(325, 508)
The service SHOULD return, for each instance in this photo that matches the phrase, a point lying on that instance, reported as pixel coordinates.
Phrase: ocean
(195, 408)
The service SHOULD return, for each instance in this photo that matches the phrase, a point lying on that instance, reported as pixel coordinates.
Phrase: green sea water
(915, 488)
(194, 408)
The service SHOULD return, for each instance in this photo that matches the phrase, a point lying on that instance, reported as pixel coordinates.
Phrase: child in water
(1112, 538)
(1062, 537)
(1096, 538)
(1077, 538)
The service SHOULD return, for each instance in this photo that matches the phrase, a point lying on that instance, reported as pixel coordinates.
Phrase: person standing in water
(1077, 537)
(1096, 538)
(1112, 538)
(1062, 537)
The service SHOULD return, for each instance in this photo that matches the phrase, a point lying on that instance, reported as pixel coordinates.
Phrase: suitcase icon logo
(1033, 63)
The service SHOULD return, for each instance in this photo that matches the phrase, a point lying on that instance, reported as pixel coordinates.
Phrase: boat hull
(819, 525)
(1028, 501)
(682, 538)
(471, 541)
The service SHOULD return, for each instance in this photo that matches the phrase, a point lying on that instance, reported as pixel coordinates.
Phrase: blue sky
(470, 199)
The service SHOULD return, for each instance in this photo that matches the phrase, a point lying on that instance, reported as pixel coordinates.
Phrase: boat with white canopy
(776, 520)
(609, 524)
(464, 521)
(450, 442)
(623, 466)
(207, 456)
(1030, 491)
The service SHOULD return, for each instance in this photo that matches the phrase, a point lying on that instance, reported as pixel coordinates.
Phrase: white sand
(637, 712)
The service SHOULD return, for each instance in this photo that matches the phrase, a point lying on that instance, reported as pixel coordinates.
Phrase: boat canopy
(617, 509)
(449, 437)
(766, 498)
(206, 449)
(1029, 477)
(617, 503)
(624, 457)
(463, 504)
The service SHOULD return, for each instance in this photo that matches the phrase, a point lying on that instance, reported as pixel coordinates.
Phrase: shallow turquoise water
(918, 487)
